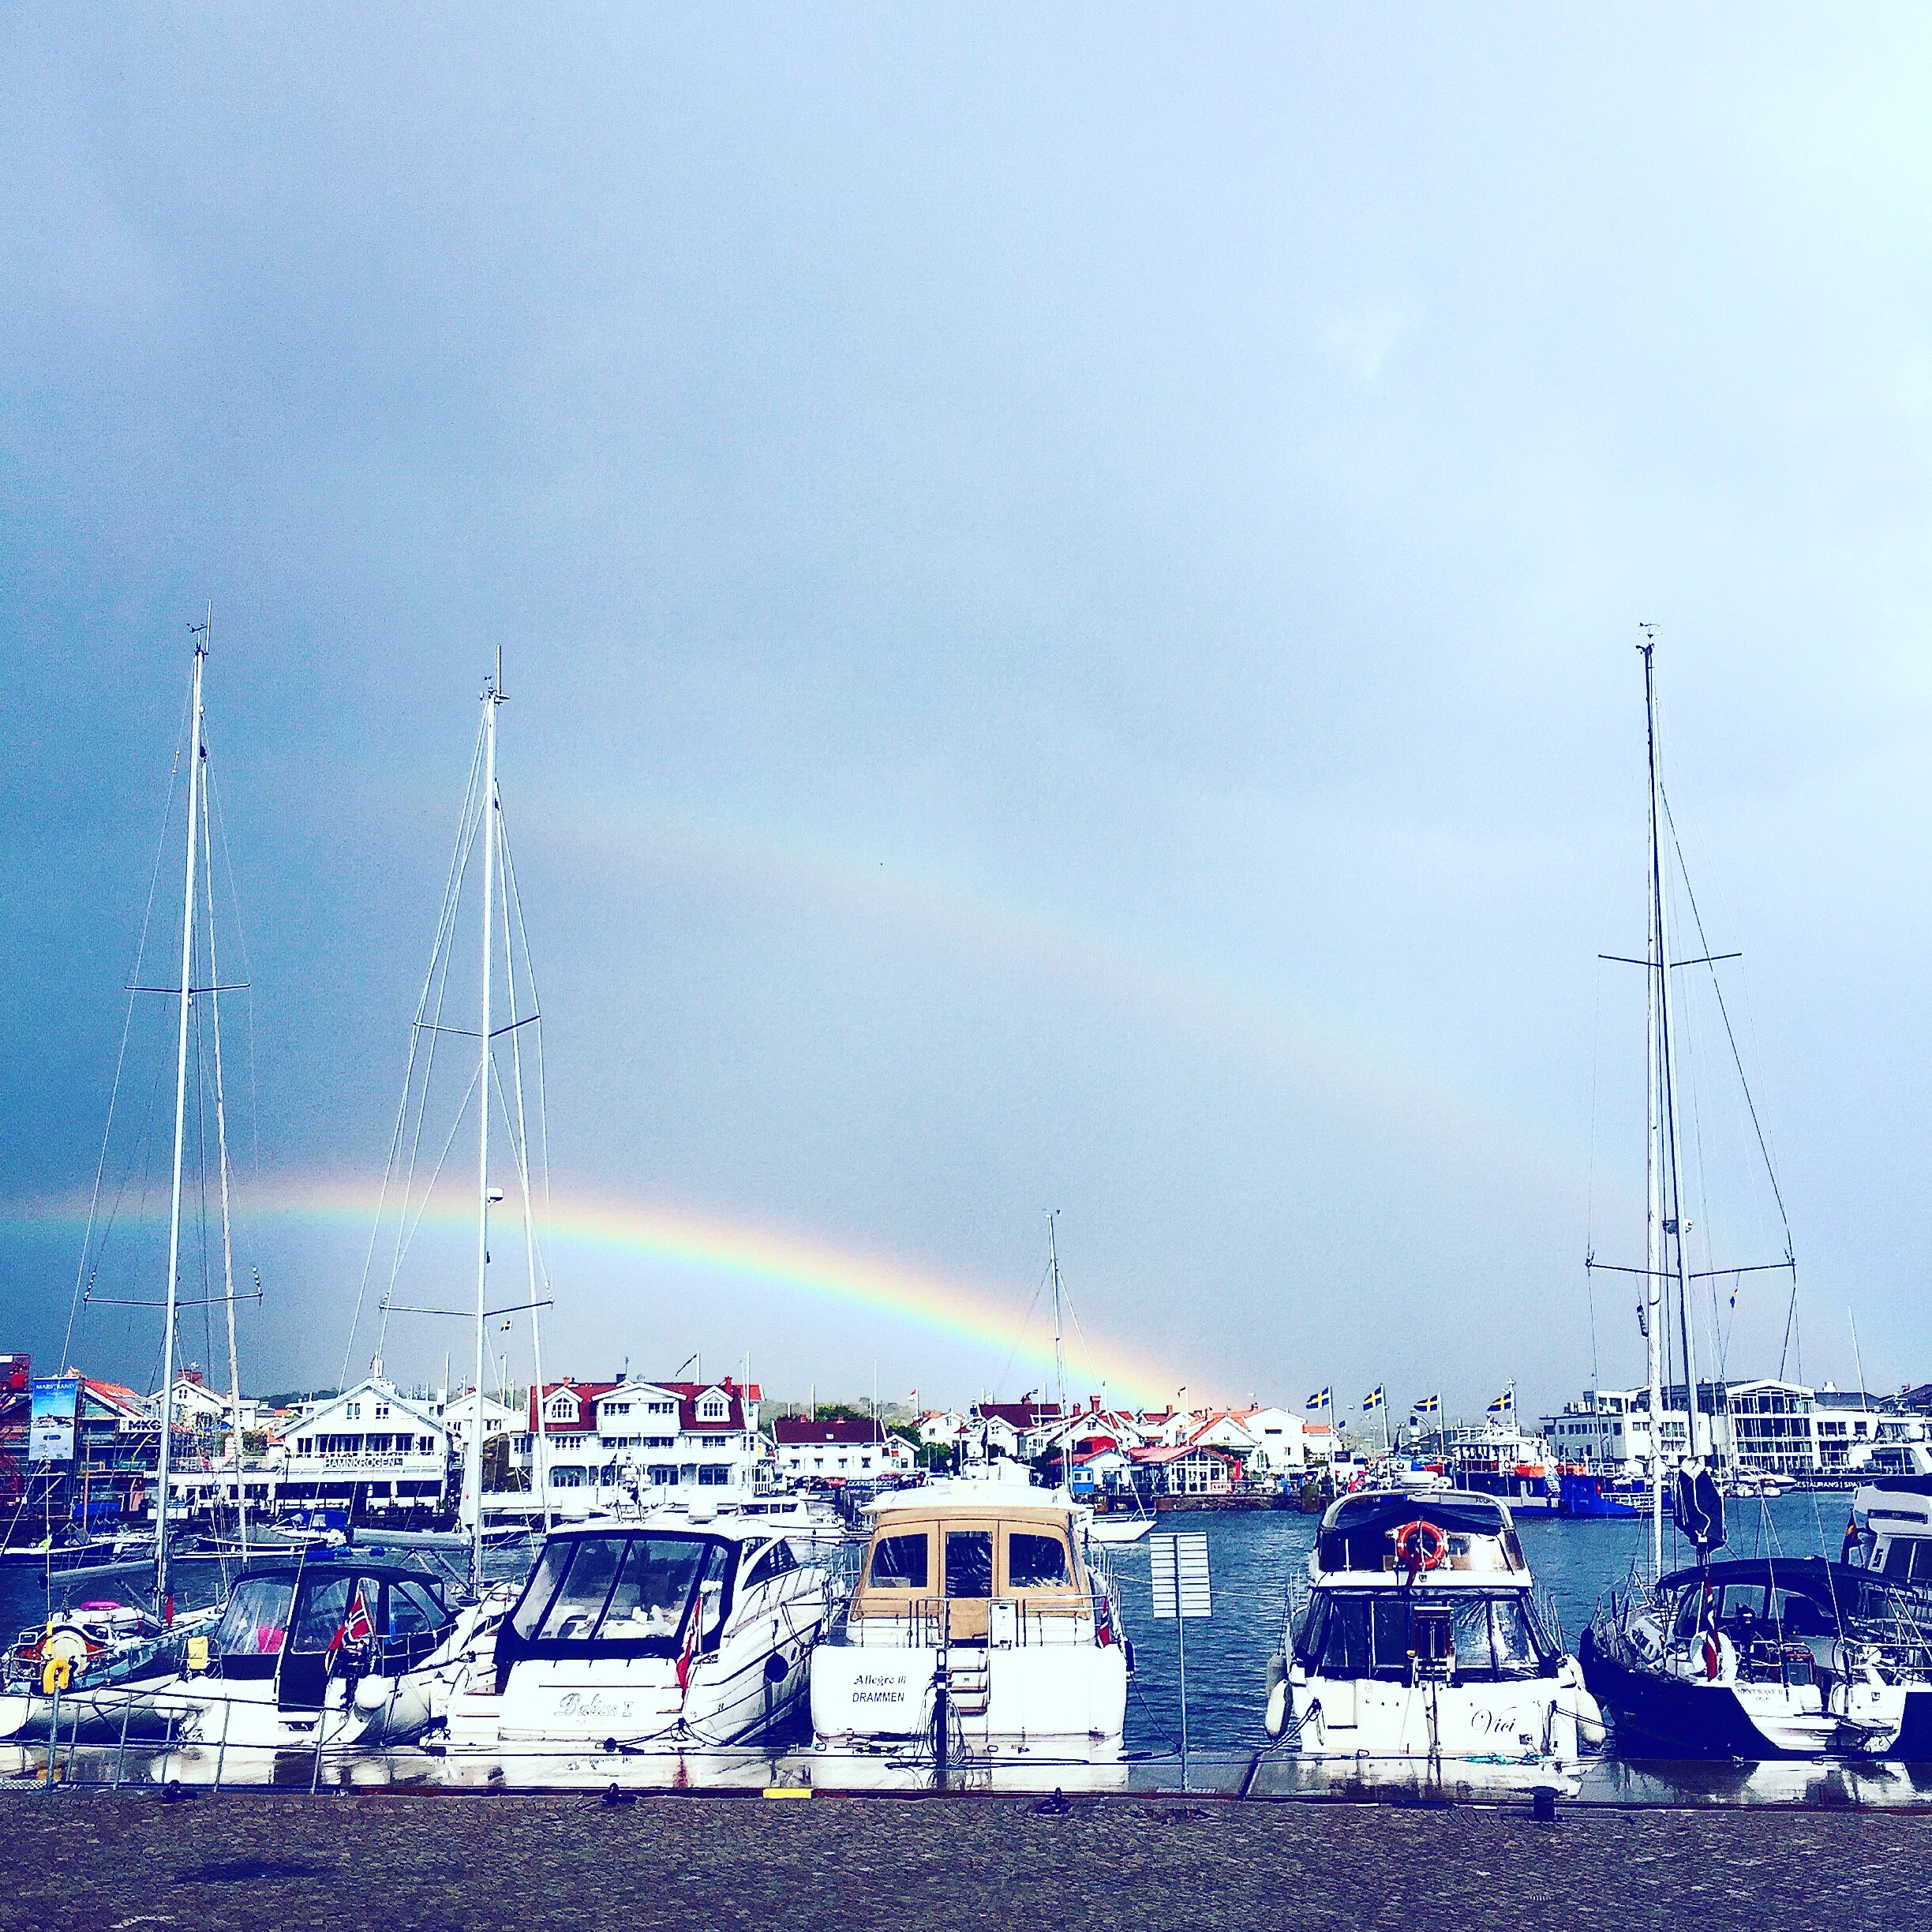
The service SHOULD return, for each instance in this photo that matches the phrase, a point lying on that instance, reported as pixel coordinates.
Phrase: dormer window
(713, 1409)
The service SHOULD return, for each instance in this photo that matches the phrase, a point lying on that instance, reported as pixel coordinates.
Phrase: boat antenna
(1053, 1256)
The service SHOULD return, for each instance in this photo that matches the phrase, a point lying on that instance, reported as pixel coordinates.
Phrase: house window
(713, 1409)
(714, 1475)
(567, 1475)
(354, 1412)
(424, 1444)
(382, 1412)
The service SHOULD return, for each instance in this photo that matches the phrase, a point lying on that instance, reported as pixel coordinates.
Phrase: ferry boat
(1761, 1658)
(675, 1631)
(980, 1626)
(1416, 1637)
(1584, 1491)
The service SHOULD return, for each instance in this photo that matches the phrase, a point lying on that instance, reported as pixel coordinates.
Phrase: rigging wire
(127, 1023)
(451, 890)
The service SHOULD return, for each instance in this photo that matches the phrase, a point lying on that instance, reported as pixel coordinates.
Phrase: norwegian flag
(357, 1627)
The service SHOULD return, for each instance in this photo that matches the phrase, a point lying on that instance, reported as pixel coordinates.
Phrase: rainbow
(668, 1238)
(1322, 1050)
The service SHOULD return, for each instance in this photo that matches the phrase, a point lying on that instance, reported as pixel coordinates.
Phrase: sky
(1068, 582)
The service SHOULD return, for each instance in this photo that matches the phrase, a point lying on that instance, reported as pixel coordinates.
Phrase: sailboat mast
(221, 1143)
(1053, 1251)
(473, 1476)
(181, 1123)
(1673, 1221)
(1653, 1251)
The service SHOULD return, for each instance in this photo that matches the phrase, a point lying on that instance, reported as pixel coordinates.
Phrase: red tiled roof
(845, 1431)
(1019, 1415)
(589, 1394)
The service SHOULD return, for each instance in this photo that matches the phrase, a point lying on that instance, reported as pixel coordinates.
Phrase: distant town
(81, 1449)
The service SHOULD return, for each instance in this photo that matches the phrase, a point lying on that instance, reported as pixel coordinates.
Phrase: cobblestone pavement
(414, 1863)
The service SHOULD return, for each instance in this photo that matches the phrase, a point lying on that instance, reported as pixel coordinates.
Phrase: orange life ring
(1420, 1546)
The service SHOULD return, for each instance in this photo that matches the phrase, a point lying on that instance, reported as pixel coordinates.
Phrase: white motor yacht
(981, 1624)
(674, 1631)
(1417, 1639)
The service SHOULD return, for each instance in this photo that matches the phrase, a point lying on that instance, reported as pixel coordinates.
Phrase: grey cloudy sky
(1068, 578)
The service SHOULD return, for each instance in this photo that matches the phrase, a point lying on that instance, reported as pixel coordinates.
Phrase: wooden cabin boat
(979, 1624)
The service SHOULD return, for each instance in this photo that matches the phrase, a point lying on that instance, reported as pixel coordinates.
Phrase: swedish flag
(1504, 1404)
(1321, 1399)
(1374, 1399)
(1429, 1405)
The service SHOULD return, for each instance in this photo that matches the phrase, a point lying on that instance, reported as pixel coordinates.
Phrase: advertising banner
(50, 1422)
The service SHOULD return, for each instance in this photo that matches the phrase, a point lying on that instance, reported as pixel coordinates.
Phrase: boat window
(1034, 1561)
(774, 1563)
(1689, 1619)
(1470, 1627)
(652, 1588)
(1516, 1641)
(1345, 1650)
(587, 1584)
(412, 1610)
(1922, 1559)
(538, 1591)
(256, 1621)
(969, 1562)
(325, 1609)
(711, 1592)
(900, 1561)
(1898, 1558)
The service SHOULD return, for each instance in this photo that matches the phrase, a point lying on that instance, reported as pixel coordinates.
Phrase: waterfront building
(459, 1417)
(1279, 1439)
(604, 1440)
(368, 1447)
(1781, 1428)
(839, 1449)
(1185, 1468)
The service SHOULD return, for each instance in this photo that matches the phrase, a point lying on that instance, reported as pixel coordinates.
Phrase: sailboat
(1756, 1659)
(348, 1653)
(98, 1663)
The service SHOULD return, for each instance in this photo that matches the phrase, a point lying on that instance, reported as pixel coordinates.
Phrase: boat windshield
(1487, 1636)
(626, 1589)
(256, 1623)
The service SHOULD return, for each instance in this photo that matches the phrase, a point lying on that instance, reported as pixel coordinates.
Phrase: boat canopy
(968, 1550)
(1358, 1532)
(622, 1593)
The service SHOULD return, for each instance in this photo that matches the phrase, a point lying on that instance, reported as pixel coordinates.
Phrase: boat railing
(1011, 1623)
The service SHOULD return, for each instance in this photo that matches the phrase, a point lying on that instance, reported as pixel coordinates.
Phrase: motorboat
(979, 1624)
(1764, 1658)
(799, 1518)
(71, 1548)
(673, 1632)
(312, 1656)
(1121, 1527)
(1417, 1636)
